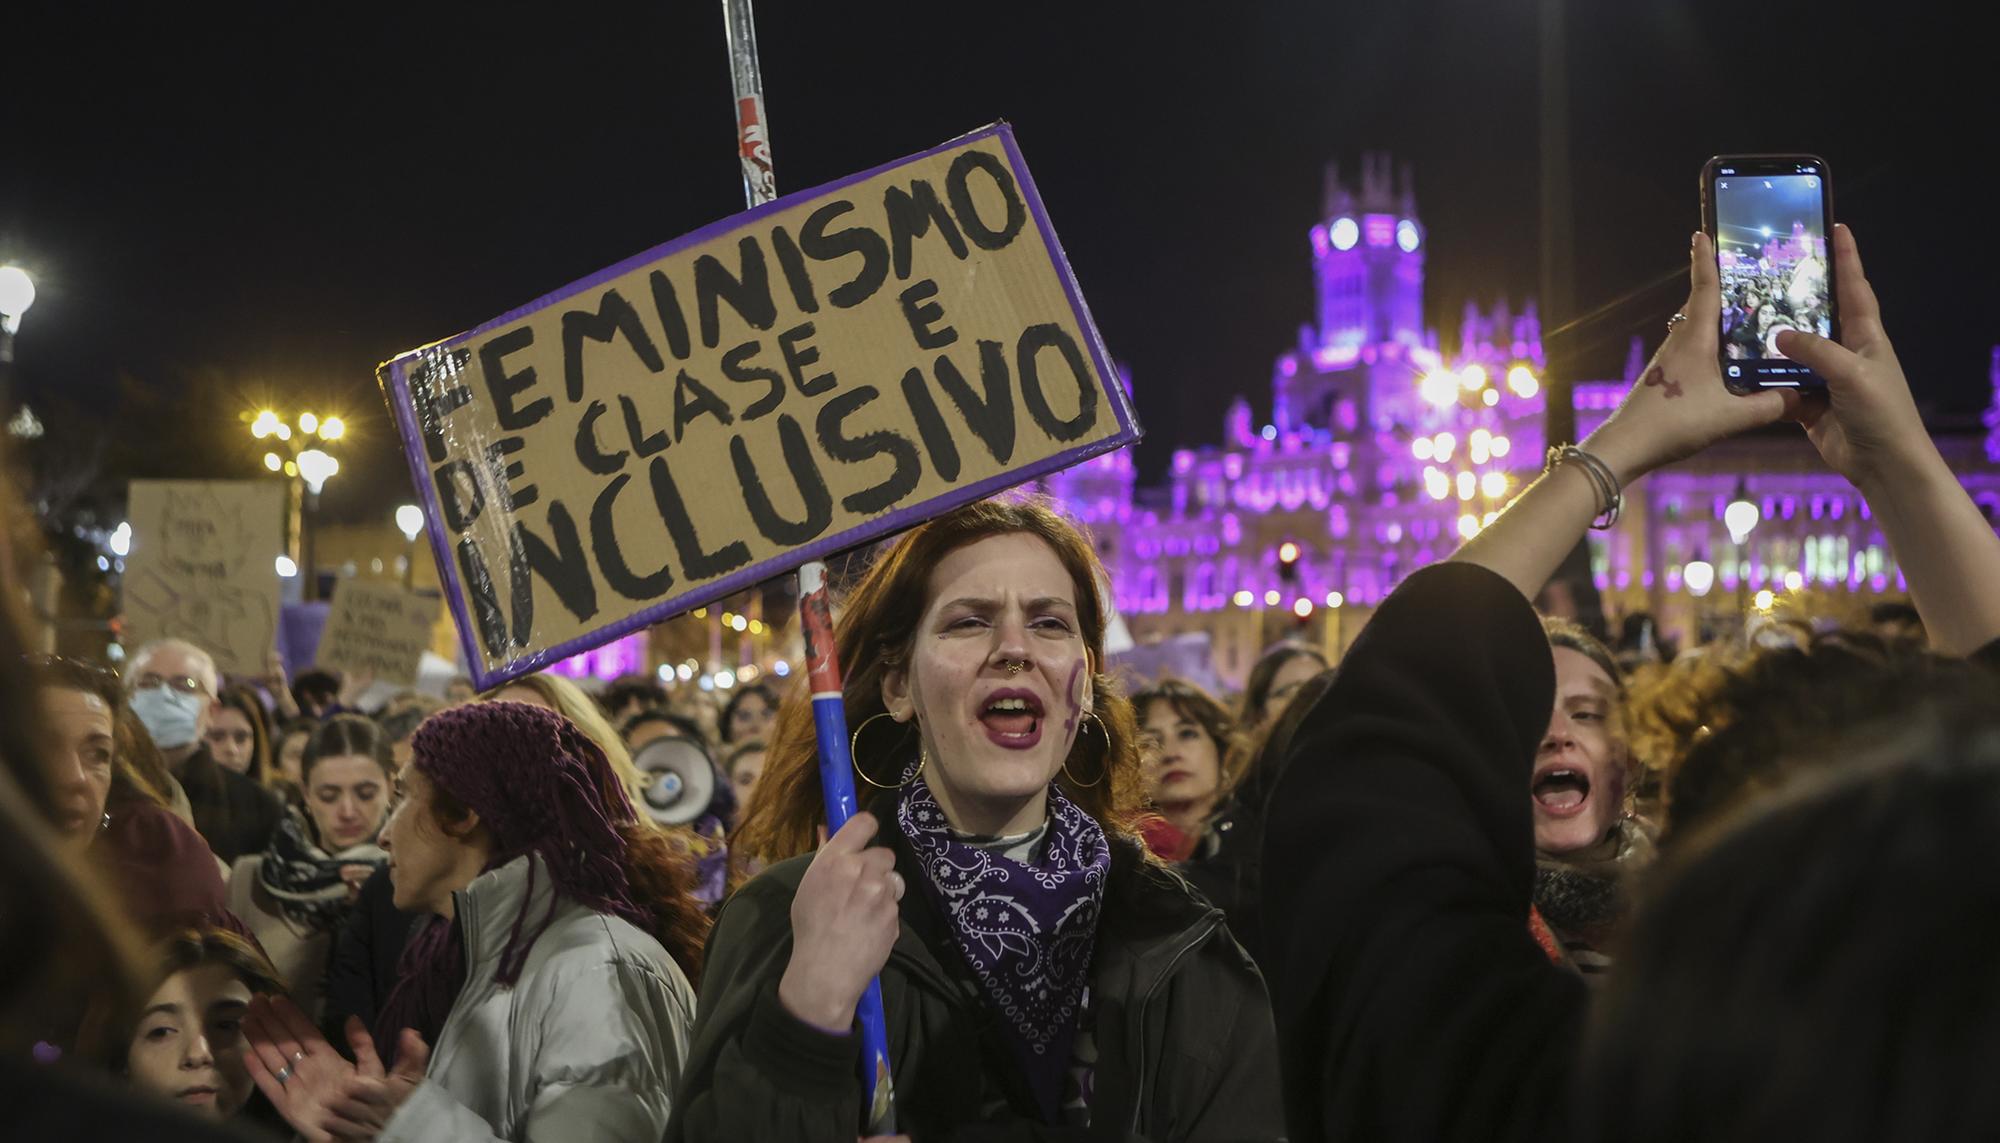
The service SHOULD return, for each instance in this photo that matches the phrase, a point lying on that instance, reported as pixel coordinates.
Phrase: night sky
(284, 196)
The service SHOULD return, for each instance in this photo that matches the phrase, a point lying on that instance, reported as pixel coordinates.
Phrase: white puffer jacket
(587, 1045)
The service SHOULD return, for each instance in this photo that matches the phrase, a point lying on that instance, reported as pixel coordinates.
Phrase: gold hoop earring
(854, 755)
(1104, 770)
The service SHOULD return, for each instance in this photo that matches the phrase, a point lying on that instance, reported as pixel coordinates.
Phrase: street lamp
(316, 468)
(297, 454)
(410, 520)
(17, 293)
(1741, 517)
(1699, 575)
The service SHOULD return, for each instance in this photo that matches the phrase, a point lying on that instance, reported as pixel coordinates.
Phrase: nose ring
(1015, 666)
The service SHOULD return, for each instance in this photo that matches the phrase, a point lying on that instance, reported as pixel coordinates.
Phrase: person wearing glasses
(172, 688)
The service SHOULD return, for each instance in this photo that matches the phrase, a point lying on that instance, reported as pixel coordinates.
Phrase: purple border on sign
(394, 376)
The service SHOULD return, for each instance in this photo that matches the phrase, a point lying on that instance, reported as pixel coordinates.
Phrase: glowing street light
(1699, 577)
(1765, 600)
(1335, 599)
(332, 429)
(120, 540)
(1522, 381)
(317, 468)
(17, 293)
(1440, 388)
(1436, 483)
(1741, 516)
(1473, 378)
(410, 521)
(1302, 607)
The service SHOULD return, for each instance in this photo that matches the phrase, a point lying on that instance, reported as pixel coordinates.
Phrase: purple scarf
(1026, 931)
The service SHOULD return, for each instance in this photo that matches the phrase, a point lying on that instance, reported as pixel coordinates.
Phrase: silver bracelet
(1610, 498)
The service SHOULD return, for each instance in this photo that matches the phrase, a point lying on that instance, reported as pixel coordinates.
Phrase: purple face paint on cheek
(1075, 696)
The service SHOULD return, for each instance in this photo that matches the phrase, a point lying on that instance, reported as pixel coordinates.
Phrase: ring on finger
(1674, 322)
(284, 1073)
(895, 885)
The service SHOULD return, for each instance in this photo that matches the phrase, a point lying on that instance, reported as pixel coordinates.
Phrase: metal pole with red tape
(836, 765)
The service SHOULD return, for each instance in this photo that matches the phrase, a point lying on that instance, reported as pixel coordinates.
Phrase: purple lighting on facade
(625, 656)
(1358, 406)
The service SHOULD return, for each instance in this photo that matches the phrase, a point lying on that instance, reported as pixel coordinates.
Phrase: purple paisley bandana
(1026, 931)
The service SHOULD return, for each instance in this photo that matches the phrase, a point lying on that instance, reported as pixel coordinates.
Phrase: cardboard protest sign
(377, 628)
(203, 567)
(817, 372)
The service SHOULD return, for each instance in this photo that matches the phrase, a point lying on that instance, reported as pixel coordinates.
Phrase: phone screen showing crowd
(1771, 247)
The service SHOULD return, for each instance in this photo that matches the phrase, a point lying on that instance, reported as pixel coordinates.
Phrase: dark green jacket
(1184, 1036)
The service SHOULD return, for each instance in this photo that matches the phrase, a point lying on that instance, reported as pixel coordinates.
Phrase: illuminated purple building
(1383, 452)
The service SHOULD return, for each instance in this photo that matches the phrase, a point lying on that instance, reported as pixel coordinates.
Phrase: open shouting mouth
(1013, 718)
(1561, 791)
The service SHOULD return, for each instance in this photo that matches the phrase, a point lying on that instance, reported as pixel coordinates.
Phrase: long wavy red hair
(874, 633)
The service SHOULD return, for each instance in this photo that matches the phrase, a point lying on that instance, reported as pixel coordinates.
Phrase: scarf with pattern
(305, 879)
(1026, 931)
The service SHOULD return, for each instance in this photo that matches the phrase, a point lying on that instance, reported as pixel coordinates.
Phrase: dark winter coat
(1181, 1024)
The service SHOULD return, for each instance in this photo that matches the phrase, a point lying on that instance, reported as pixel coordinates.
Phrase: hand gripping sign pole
(816, 617)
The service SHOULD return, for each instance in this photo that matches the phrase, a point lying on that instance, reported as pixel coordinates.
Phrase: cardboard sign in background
(203, 567)
(377, 628)
(823, 370)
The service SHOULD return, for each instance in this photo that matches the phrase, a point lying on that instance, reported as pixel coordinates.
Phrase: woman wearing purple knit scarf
(547, 998)
(1042, 977)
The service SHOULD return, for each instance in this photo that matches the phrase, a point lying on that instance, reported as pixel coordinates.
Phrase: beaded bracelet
(1610, 498)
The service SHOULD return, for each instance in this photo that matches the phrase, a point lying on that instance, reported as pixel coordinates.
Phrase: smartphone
(1771, 219)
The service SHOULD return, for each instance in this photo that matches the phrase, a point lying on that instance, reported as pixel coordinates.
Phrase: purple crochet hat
(541, 786)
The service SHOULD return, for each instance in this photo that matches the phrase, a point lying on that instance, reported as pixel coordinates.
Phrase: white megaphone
(680, 780)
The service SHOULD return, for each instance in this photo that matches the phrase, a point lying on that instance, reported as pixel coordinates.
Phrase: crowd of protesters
(1482, 877)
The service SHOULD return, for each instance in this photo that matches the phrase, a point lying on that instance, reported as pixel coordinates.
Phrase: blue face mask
(171, 716)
